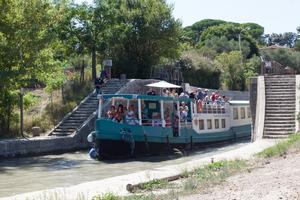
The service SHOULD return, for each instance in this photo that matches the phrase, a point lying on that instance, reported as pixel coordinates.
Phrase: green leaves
(28, 47)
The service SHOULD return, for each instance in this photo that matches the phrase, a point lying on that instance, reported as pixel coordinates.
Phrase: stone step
(284, 116)
(283, 112)
(278, 129)
(78, 118)
(280, 123)
(279, 118)
(280, 98)
(283, 95)
(280, 106)
(283, 125)
(60, 134)
(275, 110)
(276, 136)
(270, 86)
(286, 80)
(67, 124)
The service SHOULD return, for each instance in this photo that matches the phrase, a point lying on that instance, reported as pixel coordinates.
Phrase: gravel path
(280, 179)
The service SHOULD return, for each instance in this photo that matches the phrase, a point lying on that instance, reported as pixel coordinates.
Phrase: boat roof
(239, 102)
(158, 98)
(145, 97)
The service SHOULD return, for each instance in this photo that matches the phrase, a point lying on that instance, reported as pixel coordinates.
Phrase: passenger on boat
(156, 119)
(131, 116)
(151, 92)
(192, 95)
(183, 114)
(166, 93)
(184, 94)
(119, 114)
(112, 112)
(167, 118)
(184, 106)
(125, 111)
(199, 94)
(213, 96)
(174, 93)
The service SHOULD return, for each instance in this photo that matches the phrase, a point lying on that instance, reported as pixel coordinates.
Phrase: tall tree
(146, 33)
(28, 47)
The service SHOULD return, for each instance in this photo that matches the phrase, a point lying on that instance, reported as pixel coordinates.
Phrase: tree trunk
(94, 73)
(82, 73)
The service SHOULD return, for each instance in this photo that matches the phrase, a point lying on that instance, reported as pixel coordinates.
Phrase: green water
(22, 175)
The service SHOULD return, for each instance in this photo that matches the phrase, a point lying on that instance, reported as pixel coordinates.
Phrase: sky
(276, 16)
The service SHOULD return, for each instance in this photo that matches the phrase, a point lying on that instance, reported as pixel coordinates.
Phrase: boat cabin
(177, 114)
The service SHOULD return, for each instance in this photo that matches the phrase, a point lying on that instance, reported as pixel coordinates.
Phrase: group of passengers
(198, 95)
(121, 114)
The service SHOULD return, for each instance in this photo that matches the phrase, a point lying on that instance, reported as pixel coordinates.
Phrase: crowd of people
(198, 95)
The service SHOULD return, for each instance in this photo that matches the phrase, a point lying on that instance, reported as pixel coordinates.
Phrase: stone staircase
(280, 106)
(73, 121)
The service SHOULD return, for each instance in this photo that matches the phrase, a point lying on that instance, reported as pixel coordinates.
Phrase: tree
(194, 32)
(222, 44)
(282, 39)
(285, 56)
(86, 28)
(198, 70)
(232, 70)
(28, 45)
(231, 32)
(145, 33)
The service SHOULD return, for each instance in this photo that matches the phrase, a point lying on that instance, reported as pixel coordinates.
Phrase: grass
(283, 147)
(211, 174)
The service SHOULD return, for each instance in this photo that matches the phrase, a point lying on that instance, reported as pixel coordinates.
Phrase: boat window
(248, 112)
(209, 124)
(243, 114)
(223, 123)
(201, 124)
(151, 114)
(235, 113)
(217, 123)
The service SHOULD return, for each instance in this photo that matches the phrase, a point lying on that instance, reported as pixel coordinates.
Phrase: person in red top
(213, 96)
(119, 114)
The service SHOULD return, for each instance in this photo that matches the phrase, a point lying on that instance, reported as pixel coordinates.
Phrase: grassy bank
(205, 176)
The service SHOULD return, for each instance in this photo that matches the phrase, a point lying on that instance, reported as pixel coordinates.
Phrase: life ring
(199, 106)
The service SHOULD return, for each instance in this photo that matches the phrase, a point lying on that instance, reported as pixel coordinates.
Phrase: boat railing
(211, 108)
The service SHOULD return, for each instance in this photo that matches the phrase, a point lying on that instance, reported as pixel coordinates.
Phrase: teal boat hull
(117, 139)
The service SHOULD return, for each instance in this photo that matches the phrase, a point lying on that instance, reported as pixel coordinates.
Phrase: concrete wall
(257, 104)
(297, 124)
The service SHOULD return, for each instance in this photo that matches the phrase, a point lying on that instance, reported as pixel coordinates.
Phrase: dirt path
(280, 179)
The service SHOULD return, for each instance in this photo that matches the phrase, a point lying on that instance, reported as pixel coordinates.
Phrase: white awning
(163, 84)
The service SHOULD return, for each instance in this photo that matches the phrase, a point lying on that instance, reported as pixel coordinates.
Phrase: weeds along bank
(44, 110)
(206, 176)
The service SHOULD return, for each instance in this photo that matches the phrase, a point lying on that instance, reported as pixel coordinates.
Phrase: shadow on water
(175, 153)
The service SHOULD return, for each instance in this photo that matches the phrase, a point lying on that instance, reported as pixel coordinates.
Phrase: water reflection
(21, 175)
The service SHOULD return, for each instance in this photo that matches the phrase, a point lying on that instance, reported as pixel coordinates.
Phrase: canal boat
(128, 125)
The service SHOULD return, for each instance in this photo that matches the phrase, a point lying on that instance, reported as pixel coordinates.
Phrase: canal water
(20, 175)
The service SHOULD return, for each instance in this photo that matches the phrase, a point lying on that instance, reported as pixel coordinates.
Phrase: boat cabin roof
(144, 97)
(158, 98)
(238, 102)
